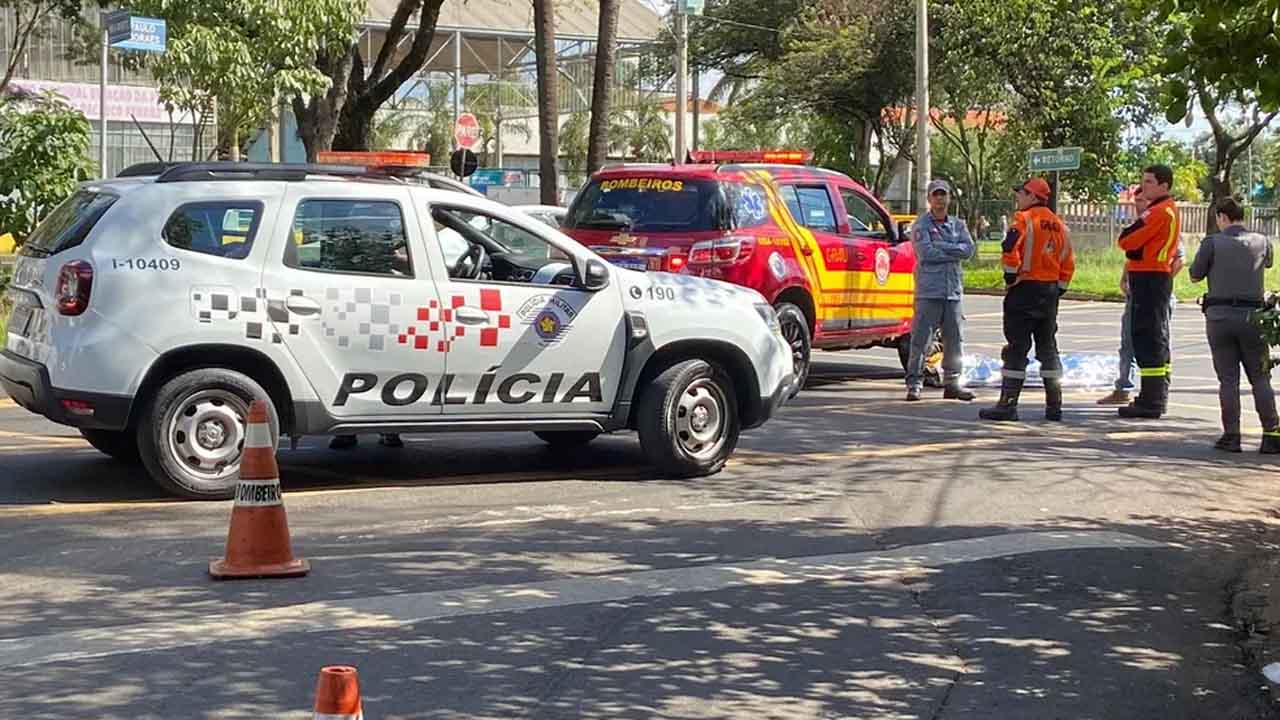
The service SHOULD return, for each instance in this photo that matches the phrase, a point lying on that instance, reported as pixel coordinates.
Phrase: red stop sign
(466, 133)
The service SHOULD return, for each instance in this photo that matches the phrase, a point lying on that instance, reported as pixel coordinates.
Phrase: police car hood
(689, 288)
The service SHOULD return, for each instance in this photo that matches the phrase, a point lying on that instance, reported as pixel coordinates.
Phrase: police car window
(221, 229)
(68, 224)
(811, 207)
(349, 236)
(513, 254)
(863, 218)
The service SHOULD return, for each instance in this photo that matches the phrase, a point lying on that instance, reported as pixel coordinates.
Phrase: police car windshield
(69, 223)
(649, 204)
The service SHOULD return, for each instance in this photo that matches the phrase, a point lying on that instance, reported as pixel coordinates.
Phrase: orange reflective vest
(1151, 243)
(1038, 247)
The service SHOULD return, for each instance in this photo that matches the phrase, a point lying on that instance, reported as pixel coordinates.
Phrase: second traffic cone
(338, 694)
(258, 540)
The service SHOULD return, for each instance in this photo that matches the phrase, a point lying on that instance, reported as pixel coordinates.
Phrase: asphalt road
(859, 558)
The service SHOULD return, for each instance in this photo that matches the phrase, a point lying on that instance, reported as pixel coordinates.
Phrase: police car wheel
(117, 444)
(795, 330)
(567, 438)
(192, 432)
(688, 419)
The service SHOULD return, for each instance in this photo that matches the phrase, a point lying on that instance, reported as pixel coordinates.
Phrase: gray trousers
(1235, 342)
(929, 314)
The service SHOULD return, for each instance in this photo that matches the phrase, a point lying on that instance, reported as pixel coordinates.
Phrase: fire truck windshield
(650, 204)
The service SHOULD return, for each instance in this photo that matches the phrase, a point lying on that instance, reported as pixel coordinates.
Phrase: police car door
(347, 297)
(522, 337)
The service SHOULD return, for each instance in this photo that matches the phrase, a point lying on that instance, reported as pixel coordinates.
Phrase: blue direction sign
(130, 32)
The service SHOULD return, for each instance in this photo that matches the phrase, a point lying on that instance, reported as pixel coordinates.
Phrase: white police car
(150, 310)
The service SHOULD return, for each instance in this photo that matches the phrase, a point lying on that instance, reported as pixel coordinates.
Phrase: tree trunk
(1221, 180)
(355, 127)
(544, 24)
(318, 116)
(602, 87)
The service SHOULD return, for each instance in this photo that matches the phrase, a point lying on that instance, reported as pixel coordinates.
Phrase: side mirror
(595, 276)
(904, 231)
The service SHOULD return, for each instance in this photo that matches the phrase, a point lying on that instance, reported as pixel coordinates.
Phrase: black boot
(1053, 399)
(1229, 442)
(1150, 401)
(1270, 442)
(1006, 409)
(953, 391)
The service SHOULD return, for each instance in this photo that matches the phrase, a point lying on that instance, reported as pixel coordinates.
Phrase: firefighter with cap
(942, 243)
(1038, 266)
(1150, 245)
(1234, 261)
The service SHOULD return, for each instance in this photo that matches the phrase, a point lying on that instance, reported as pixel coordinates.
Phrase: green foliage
(1268, 321)
(1074, 72)
(1228, 44)
(241, 54)
(28, 22)
(44, 148)
(1189, 173)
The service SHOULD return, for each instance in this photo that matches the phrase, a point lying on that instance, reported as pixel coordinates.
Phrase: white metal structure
(150, 310)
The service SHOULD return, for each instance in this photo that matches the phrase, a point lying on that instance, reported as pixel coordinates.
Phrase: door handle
(859, 256)
(806, 249)
(302, 306)
(471, 316)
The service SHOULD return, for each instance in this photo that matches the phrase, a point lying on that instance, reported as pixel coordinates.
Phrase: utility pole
(682, 78)
(923, 159)
(102, 97)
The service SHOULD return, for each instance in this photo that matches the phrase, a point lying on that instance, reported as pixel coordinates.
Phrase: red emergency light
(773, 157)
(385, 158)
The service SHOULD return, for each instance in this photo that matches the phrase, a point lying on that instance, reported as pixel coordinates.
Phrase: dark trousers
(1236, 342)
(1150, 293)
(1031, 314)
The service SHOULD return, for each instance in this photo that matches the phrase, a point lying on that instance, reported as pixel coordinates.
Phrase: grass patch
(1097, 274)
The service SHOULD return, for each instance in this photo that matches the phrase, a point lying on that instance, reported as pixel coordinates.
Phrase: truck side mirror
(904, 231)
(595, 276)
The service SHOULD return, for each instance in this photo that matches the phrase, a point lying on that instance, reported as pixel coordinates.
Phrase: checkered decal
(430, 329)
(354, 318)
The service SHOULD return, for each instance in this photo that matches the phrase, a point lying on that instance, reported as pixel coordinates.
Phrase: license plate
(21, 317)
(631, 263)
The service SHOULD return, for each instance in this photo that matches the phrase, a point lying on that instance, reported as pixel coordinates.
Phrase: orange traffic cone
(338, 694)
(258, 540)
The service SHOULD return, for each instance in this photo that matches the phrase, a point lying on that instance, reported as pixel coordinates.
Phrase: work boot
(1230, 442)
(1053, 399)
(913, 394)
(1006, 409)
(1117, 397)
(953, 391)
(1270, 442)
(391, 440)
(1149, 404)
(343, 442)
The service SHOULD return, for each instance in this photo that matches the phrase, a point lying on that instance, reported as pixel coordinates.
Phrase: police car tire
(166, 470)
(119, 445)
(657, 419)
(566, 438)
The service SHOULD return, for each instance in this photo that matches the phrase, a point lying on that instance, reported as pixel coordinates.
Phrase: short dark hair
(1231, 207)
(1163, 173)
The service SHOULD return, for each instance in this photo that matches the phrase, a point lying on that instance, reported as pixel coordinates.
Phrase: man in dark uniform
(1234, 260)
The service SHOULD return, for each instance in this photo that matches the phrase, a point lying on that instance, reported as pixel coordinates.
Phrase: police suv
(149, 310)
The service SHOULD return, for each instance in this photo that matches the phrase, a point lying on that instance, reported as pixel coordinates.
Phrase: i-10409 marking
(162, 264)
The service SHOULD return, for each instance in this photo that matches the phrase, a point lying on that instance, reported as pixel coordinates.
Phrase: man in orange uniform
(1151, 246)
(1038, 266)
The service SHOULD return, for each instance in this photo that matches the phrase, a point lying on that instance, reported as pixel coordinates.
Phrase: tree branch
(412, 62)
(391, 41)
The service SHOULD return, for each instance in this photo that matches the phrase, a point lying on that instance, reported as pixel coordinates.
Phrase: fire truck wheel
(688, 419)
(795, 328)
